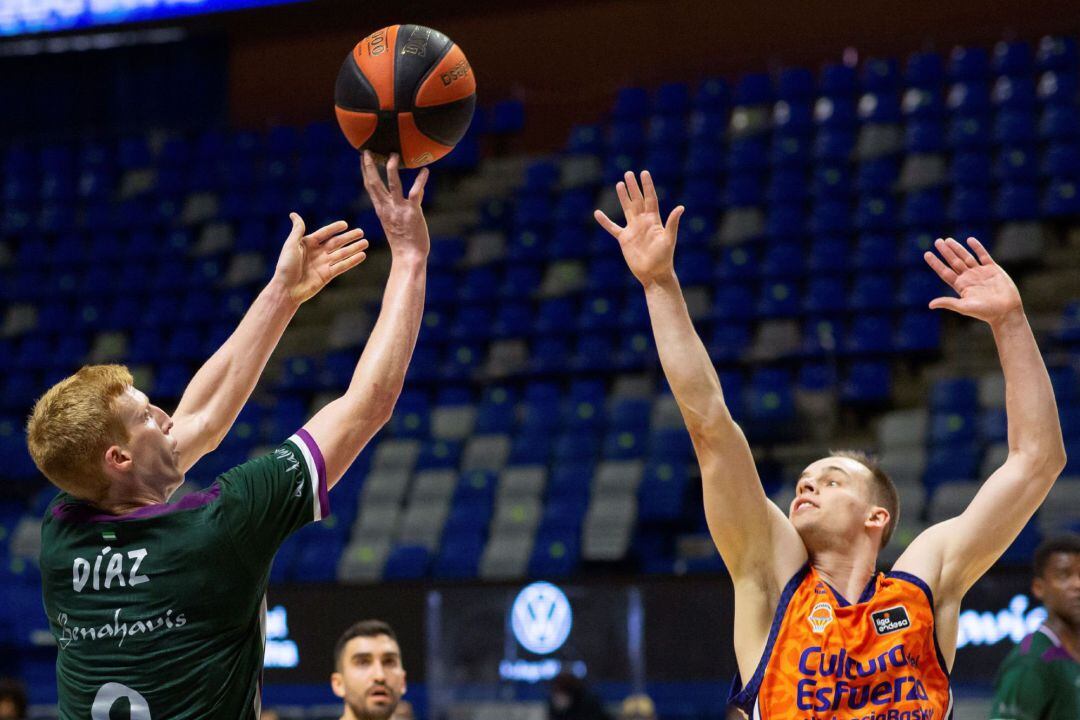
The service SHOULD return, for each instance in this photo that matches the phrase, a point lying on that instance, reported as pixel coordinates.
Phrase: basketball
(406, 89)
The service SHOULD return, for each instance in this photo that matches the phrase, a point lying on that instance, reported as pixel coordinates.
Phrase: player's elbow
(1045, 462)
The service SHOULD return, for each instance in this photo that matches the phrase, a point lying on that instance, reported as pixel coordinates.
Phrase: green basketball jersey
(161, 613)
(1039, 680)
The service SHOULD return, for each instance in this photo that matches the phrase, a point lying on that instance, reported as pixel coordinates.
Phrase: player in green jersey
(1040, 679)
(158, 609)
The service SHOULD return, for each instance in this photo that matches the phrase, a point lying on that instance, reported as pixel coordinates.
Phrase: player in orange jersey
(817, 633)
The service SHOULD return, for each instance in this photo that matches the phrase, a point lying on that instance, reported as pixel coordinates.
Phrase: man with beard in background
(368, 673)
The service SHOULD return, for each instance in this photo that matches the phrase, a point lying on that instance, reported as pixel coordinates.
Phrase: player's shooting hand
(402, 217)
(986, 291)
(308, 262)
(648, 245)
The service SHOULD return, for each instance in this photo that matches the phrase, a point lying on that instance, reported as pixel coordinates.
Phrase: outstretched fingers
(624, 200)
(343, 254)
(652, 204)
(943, 271)
(980, 251)
(950, 255)
(393, 179)
(339, 241)
(633, 190)
(962, 252)
(372, 182)
(416, 193)
(607, 223)
(326, 232)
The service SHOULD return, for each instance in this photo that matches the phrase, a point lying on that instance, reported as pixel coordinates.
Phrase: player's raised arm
(344, 426)
(751, 533)
(952, 555)
(218, 391)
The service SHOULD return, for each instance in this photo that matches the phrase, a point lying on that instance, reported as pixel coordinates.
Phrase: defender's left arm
(218, 391)
(954, 554)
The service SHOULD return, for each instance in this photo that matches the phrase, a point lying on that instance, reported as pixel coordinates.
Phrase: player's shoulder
(1038, 648)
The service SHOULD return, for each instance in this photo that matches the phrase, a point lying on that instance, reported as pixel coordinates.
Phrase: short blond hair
(73, 423)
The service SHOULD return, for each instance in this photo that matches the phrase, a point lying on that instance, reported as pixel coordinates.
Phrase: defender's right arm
(345, 425)
(756, 540)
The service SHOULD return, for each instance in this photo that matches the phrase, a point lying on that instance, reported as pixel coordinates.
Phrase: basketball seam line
(430, 70)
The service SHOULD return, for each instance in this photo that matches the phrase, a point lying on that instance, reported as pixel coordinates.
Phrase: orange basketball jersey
(827, 659)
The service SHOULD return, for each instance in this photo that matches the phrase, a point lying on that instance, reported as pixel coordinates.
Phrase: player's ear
(1037, 587)
(118, 459)
(337, 684)
(879, 517)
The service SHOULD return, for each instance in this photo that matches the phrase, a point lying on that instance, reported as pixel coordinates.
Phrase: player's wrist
(283, 294)
(1012, 319)
(664, 280)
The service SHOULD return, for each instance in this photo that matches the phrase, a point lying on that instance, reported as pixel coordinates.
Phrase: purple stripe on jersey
(1055, 653)
(1025, 644)
(320, 466)
(83, 512)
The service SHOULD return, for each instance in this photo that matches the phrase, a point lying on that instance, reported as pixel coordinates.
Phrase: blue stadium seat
(834, 144)
(729, 341)
(971, 170)
(1015, 127)
(672, 99)
(1062, 198)
(673, 445)
(828, 255)
(970, 205)
(783, 260)
(924, 70)
(791, 148)
(918, 331)
(869, 335)
(507, 117)
(1057, 53)
(593, 353)
(469, 517)
(867, 383)
(876, 213)
(825, 296)
(459, 556)
(520, 281)
(555, 553)
(830, 217)
(952, 428)
(831, 182)
(754, 89)
(713, 95)
(778, 299)
(1013, 94)
(733, 302)
(662, 491)
(1060, 122)
(958, 395)
(1057, 88)
(1062, 160)
(924, 136)
(993, 425)
(631, 103)
(626, 136)
(969, 132)
(969, 63)
(787, 187)
(585, 140)
(625, 444)
(576, 447)
(924, 209)
(1017, 202)
(737, 262)
(796, 83)
(407, 562)
(1013, 58)
(837, 80)
(879, 108)
(747, 155)
(1017, 164)
(871, 292)
(770, 404)
(568, 491)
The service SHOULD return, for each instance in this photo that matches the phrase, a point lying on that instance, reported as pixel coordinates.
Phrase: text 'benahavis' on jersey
(1039, 680)
(828, 659)
(160, 614)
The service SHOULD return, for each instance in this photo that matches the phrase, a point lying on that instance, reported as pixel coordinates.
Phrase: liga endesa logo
(890, 620)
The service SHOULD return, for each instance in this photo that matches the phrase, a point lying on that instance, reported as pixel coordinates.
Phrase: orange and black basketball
(406, 89)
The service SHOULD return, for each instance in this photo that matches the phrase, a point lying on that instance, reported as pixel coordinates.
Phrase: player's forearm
(686, 363)
(221, 387)
(1034, 429)
(380, 373)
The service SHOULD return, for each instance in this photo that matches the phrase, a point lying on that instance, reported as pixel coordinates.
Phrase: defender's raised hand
(308, 262)
(648, 245)
(986, 291)
(402, 217)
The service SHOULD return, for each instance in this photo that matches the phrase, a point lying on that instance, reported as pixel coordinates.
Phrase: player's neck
(128, 495)
(1067, 634)
(846, 572)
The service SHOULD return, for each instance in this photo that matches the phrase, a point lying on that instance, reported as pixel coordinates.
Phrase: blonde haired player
(158, 609)
(817, 633)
